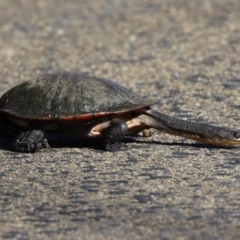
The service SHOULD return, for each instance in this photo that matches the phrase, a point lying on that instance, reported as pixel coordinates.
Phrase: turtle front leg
(114, 133)
(30, 141)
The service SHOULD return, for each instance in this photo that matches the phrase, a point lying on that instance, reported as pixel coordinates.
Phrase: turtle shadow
(6, 144)
(58, 141)
(181, 144)
(98, 144)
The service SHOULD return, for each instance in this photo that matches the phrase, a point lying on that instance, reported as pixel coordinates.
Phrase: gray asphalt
(186, 55)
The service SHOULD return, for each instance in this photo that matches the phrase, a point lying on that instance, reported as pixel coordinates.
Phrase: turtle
(92, 107)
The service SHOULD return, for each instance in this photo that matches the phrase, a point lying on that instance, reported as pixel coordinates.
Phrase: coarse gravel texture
(186, 55)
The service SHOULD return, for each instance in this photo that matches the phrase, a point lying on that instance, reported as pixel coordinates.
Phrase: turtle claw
(30, 141)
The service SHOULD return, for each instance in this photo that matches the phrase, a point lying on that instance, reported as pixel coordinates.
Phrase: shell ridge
(25, 101)
(53, 98)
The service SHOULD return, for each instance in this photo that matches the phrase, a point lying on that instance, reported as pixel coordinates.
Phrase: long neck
(206, 133)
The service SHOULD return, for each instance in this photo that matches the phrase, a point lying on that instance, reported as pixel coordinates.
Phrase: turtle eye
(236, 135)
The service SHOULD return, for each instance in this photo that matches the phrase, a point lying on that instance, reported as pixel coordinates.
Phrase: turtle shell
(69, 96)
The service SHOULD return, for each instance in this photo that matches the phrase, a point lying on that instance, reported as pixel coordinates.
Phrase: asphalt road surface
(186, 55)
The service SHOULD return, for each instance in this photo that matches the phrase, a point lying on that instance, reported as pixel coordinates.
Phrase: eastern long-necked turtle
(91, 107)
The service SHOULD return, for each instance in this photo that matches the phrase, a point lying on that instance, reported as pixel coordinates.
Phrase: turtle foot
(114, 133)
(30, 141)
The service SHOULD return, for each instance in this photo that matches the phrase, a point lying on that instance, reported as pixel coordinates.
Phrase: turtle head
(229, 137)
